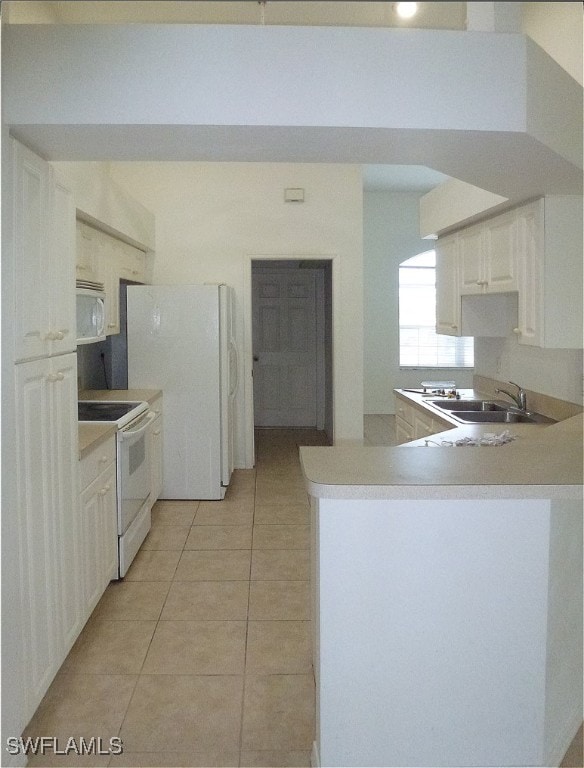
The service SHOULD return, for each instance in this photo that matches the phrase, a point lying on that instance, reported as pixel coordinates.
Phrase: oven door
(133, 470)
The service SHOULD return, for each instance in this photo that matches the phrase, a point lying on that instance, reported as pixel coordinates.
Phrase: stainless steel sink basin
(496, 417)
(469, 405)
(488, 411)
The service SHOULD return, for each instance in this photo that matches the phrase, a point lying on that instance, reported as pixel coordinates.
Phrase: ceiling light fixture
(406, 10)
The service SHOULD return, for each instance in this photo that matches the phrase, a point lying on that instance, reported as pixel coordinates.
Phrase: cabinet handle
(103, 459)
(157, 431)
(52, 377)
(482, 282)
(60, 376)
(50, 336)
(112, 325)
(60, 335)
(454, 327)
(517, 331)
(104, 490)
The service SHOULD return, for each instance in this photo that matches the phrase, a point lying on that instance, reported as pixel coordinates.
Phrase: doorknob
(255, 358)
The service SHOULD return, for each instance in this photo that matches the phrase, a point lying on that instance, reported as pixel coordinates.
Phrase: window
(419, 344)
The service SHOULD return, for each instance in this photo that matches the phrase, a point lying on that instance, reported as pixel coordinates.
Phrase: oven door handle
(126, 434)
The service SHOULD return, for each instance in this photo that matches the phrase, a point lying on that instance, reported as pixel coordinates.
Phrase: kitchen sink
(488, 412)
(496, 417)
(469, 405)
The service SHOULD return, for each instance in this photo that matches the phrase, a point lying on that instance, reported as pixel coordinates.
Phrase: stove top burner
(98, 410)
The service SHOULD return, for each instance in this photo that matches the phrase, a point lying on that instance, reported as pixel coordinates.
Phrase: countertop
(541, 455)
(91, 435)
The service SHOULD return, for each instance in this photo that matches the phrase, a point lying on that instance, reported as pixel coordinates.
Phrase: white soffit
(401, 178)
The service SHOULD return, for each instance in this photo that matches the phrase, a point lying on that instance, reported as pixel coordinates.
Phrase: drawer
(95, 462)
(404, 411)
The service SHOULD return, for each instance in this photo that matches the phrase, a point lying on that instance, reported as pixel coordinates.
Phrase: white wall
(557, 28)
(554, 372)
(212, 218)
(391, 235)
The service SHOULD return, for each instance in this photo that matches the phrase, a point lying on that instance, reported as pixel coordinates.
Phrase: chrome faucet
(520, 398)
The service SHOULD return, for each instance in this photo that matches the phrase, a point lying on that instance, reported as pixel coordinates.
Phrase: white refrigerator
(181, 340)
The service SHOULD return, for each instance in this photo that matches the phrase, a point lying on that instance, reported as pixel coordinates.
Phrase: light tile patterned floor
(201, 656)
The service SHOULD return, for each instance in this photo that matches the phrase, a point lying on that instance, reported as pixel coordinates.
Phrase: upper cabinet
(44, 248)
(447, 289)
(107, 260)
(534, 250)
(488, 256)
(86, 266)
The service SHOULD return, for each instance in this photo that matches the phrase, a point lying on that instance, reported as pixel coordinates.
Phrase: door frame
(248, 334)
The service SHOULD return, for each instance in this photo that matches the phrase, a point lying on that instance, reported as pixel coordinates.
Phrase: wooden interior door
(284, 347)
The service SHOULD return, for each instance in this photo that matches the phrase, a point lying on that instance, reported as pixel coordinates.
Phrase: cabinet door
(471, 261)
(92, 550)
(62, 270)
(423, 424)
(37, 529)
(404, 432)
(132, 263)
(501, 253)
(32, 285)
(99, 534)
(447, 293)
(109, 525)
(109, 263)
(530, 275)
(64, 450)
(86, 263)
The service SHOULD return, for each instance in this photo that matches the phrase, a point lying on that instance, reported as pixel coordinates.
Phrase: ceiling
(401, 178)
(431, 15)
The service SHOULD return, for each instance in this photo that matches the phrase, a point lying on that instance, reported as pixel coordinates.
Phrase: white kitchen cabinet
(534, 250)
(86, 259)
(413, 422)
(500, 236)
(44, 252)
(488, 256)
(109, 272)
(108, 260)
(447, 289)
(550, 275)
(46, 446)
(99, 522)
(132, 263)
(156, 445)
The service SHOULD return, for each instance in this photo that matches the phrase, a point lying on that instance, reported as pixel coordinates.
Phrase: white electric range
(133, 469)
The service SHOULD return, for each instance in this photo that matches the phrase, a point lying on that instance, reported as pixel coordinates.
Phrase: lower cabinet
(412, 423)
(156, 438)
(99, 523)
(49, 540)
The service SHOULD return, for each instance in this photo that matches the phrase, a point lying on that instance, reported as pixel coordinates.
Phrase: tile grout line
(140, 673)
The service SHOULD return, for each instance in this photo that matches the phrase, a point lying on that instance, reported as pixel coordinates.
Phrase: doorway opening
(292, 343)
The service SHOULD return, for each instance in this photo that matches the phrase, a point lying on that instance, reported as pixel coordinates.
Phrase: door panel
(285, 349)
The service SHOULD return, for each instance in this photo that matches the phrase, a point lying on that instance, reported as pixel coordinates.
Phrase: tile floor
(201, 656)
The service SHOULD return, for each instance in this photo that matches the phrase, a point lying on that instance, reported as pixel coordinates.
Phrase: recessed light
(406, 10)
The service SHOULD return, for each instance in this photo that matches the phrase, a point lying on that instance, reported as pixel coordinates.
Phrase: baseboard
(314, 756)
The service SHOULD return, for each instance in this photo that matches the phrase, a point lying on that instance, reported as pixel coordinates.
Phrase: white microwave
(90, 315)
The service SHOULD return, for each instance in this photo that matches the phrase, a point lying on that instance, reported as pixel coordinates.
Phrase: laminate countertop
(92, 434)
(541, 455)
